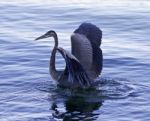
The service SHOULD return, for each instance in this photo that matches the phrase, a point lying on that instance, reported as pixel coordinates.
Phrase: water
(27, 92)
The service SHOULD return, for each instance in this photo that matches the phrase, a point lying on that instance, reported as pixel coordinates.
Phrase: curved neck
(52, 69)
(56, 40)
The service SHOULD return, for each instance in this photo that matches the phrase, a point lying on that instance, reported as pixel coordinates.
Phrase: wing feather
(82, 50)
(97, 61)
(94, 36)
(74, 74)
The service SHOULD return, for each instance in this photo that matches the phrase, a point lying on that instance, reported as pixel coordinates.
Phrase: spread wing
(89, 52)
(74, 72)
(82, 50)
(89, 55)
(92, 32)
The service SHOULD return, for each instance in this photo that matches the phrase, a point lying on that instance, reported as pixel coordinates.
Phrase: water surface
(27, 91)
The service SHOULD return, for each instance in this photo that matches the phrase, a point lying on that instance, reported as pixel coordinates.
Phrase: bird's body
(84, 63)
(74, 75)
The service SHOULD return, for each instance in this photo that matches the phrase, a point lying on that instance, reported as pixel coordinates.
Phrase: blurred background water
(27, 92)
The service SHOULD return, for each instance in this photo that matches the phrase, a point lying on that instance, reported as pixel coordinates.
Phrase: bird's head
(50, 33)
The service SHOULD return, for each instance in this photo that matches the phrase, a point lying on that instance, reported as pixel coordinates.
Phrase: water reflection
(81, 105)
(77, 108)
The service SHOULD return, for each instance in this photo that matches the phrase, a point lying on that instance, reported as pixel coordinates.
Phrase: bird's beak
(42, 37)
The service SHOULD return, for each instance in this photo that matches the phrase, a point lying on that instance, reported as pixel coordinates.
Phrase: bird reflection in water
(77, 108)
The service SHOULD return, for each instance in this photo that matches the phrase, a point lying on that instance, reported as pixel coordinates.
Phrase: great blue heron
(85, 62)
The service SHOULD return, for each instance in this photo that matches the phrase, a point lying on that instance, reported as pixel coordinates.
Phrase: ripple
(26, 88)
(115, 88)
(86, 104)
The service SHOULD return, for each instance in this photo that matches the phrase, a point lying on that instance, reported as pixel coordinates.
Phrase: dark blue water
(27, 92)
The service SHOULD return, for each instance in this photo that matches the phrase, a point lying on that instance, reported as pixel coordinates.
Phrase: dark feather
(92, 32)
(74, 75)
(94, 35)
(97, 59)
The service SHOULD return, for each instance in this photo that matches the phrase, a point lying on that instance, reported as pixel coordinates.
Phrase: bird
(85, 61)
